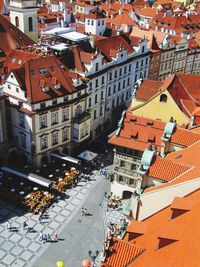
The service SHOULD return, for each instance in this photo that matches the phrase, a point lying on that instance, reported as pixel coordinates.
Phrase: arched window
(17, 22)
(163, 98)
(30, 24)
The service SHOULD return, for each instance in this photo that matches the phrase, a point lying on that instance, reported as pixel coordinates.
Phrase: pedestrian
(24, 225)
(85, 211)
(41, 237)
(49, 237)
(55, 237)
(82, 211)
(8, 226)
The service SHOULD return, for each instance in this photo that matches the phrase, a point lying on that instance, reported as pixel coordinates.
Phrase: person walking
(82, 211)
(85, 211)
(55, 237)
(24, 225)
(8, 226)
(41, 237)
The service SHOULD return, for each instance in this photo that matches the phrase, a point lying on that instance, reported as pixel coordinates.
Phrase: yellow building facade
(160, 107)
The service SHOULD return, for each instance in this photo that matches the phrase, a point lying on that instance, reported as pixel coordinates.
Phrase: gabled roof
(121, 253)
(96, 13)
(38, 73)
(147, 12)
(166, 170)
(148, 89)
(145, 127)
(123, 19)
(181, 245)
(114, 43)
(11, 36)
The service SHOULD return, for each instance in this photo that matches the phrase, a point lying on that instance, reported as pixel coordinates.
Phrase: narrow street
(81, 233)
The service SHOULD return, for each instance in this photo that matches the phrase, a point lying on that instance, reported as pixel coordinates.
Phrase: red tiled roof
(113, 43)
(167, 170)
(121, 253)
(147, 12)
(31, 76)
(12, 36)
(183, 231)
(96, 13)
(123, 19)
(180, 203)
(146, 128)
(148, 89)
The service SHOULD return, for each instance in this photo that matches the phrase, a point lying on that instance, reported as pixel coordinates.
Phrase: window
(101, 110)
(65, 134)
(121, 179)
(95, 99)
(75, 133)
(122, 98)
(17, 89)
(23, 140)
(54, 117)
(129, 68)
(103, 80)
(54, 102)
(97, 82)
(65, 98)
(109, 91)
(110, 76)
(88, 22)
(21, 120)
(146, 61)
(128, 82)
(43, 142)
(114, 89)
(17, 22)
(9, 87)
(95, 115)
(54, 138)
(141, 62)
(92, 23)
(42, 105)
(101, 95)
(116, 74)
(113, 103)
(43, 121)
(78, 110)
(119, 86)
(90, 102)
(122, 163)
(97, 67)
(137, 64)
(125, 68)
(127, 95)
(120, 72)
(30, 24)
(102, 22)
(99, 22)
(132, 182)
(163, 98)
(135, 78)
(143, 49)
(124, 83)
(65, 114)
(90, 86)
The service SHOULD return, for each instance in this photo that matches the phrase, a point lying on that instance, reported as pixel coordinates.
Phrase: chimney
(92, 41)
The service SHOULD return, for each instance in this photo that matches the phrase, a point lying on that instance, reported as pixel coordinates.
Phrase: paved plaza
(77, 234)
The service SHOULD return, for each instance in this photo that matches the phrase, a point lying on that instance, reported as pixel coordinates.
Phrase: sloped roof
(123, 19)
(184, 230)
(165, 169)
(121, 253)
(50, 71)
(11, 36)
(148, 89)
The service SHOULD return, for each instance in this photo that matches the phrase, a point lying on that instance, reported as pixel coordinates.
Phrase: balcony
(129, 158)
(121, 170)
(82, 118)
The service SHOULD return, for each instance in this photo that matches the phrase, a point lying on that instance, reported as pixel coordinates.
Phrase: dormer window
(163, 98)
(43, 105)
(54, 102)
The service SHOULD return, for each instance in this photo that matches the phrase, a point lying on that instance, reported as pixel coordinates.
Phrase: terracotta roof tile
(121, 253)
(167, 170)
(183, 230)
